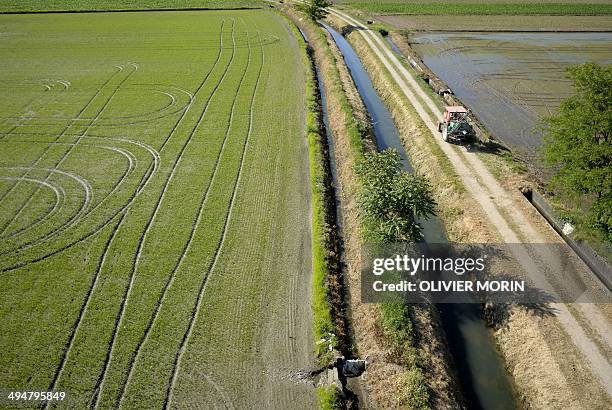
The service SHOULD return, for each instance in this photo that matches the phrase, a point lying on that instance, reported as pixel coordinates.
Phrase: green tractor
(455, 126)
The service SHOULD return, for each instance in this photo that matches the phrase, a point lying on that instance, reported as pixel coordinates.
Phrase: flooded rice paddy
(511, 80)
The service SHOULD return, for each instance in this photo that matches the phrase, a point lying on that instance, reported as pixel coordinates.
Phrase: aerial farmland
(267, 204)
(146, 206)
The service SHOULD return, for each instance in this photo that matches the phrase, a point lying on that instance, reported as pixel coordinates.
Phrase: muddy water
(511, 80)
(483, 379)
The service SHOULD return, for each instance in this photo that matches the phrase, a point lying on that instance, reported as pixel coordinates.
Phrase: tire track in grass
(91, 100)
(57, 191)
(117, 121)
(83, 309)
(93, 285)
(194, 228)
(69, 151)
(29, 104)
(124, 212)
(107, 247)
(132, 161)
(118, 321)
(144, 181)
(57, 164)
(196, 309)
(81, 181)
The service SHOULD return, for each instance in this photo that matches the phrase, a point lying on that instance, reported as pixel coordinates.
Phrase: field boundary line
(93, 11)
(187, 336)
(194, 228)
(126, 296)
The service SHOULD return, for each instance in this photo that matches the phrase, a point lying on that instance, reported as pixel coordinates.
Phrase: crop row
(103, 5)
(455, 9)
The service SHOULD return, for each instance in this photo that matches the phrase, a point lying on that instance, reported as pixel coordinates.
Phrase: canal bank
(479, 368)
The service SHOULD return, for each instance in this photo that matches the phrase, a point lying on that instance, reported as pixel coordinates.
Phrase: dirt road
(507, 212)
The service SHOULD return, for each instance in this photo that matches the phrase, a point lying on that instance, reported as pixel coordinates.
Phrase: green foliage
(69, 5)
(415, 394)
(578, 142)
(397, 328)
(329, 398)
(391, 199)
(448, 8)
(316, 9)
(322, 311)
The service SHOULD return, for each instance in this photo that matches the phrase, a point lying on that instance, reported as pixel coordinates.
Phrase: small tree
(578, 143)
(316, 9)
(391, 199)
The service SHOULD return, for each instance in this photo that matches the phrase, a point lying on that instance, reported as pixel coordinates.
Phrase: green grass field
(78, 5)
(476, 7)
(154, 209)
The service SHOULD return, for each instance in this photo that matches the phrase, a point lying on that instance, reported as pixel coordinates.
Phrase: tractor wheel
(439, 127)
(444, 134)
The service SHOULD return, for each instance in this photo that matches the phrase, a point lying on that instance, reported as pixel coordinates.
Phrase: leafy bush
(415, 393)
(328, 398)
(390, 199)
(578, 143)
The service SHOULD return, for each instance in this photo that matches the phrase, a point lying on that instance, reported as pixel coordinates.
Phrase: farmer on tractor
(455, 125)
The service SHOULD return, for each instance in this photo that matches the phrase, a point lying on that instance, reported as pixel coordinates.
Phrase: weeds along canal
(483, 379)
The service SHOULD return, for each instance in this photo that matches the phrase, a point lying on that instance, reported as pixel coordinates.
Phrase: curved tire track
(100, 383)
(196, 309)
(187, 246)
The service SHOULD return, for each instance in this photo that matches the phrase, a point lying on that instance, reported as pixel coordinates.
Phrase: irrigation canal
(484, 381)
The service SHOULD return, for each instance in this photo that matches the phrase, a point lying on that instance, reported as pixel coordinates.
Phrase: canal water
(484, 381)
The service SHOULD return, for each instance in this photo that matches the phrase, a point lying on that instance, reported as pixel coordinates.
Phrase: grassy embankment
(409, 388)
(461, 8)
(328, 321)
(322, 194)
(109, 5)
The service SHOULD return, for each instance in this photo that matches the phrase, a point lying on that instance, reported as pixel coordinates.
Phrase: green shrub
(329, 398)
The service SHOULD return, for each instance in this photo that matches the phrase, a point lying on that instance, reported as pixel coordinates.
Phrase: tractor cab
(455, 125)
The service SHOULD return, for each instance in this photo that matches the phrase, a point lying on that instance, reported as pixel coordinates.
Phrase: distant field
(461, 7)
(510, 80)
(499, 23)
(154, 210)
(68, 5)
